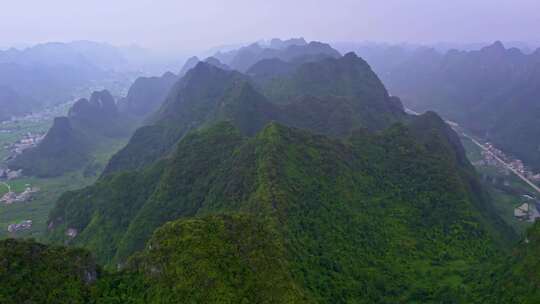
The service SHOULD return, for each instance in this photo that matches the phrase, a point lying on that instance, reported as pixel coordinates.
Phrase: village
(7, 175)
(490, 158)
(11, 197)
(24, 225)
(28, 141)
(529, 208)
(25, 138)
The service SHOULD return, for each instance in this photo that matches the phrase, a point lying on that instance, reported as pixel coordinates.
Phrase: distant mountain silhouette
(51, 73)
(147, 94)
(13, 103)
(70, 142)
(492, 91)
(204, 95)
(243, 58)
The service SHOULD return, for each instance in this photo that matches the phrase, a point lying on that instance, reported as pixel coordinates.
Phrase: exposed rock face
(71, 232)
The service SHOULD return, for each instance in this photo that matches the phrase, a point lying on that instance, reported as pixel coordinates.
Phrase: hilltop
(71, 141)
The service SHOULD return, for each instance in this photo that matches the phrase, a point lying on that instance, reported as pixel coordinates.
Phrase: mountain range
(91, 126)
(285, 179)
(492, 92)
(13, 103)
(52, 73)
(243, 58)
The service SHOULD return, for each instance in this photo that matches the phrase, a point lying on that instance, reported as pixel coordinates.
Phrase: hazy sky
(205, 23)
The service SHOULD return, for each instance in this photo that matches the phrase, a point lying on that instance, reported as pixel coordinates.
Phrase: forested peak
(104, 100)
(101, 102)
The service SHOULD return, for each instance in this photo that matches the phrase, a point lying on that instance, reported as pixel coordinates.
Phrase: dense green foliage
(217, 259)
(327, 201)
(35, 273)
(330, 195)
(332, 96)
(515, 279)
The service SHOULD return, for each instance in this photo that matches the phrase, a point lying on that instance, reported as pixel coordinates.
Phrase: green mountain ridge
(328, 200)
(302, 184)
(357, 96)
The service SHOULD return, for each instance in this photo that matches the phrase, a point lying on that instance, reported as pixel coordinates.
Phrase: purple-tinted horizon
(170, 24)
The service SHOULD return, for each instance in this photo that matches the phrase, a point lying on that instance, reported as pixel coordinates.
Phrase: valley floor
(506, 189)
(27, 216)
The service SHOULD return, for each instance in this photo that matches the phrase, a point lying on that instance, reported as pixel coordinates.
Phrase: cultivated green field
(37, 209)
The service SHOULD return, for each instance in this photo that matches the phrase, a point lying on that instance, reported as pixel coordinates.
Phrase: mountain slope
(187, 106)
(36, 273)
(147, 94)
(242, 260)
(329, 201)
(63, 149)
(515, 278)
(349, 199)
(334, 89)
(493, 91)
(71, 141)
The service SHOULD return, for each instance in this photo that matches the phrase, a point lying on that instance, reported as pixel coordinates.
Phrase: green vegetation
(333, 97)
(217, 259)
(13, 131)
(38, 208)
(91, 126)
(505, 189)
(515, 279)
(50, 189)
(328, 202)
(333, 195)
(35, 273)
